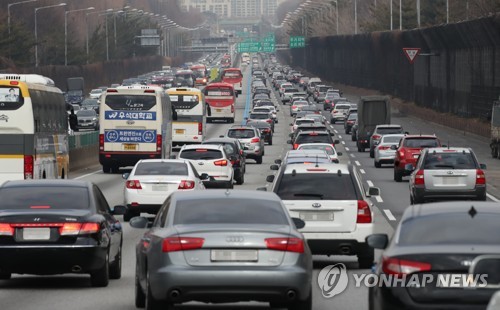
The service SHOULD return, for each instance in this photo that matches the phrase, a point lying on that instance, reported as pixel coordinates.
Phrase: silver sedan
(385, 152)
(223, 246)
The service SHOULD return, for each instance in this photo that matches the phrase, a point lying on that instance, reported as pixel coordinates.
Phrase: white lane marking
(362, 171)
(87, 175)
(346, 148)
(389, 215)
(352, 155)
(340, 137)
(495, 199)
(370, 183)
(357, 163)
(343, 142)
(335, 131)
(379, 199)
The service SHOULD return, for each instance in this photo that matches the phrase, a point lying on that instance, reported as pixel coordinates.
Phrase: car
(303, 81)
(90, 104)
(307, 157)
(223, 246)
(408, 151)
(384, 151)
(258, 97)
(354, 130)
(151, 181)
(328, 148)
(380, 131)
(294, 107)
(447, 173)
(287, 94)
(211, 160)
(312, 108)
(234, 149)
(433, 241)
(331, 99)
(339, 112)
(349, 122)
(266, 131)
(307, 127)
(312, 137)
(87, 119)
(50, 227)
(300, 121)
(260, 117)
(267, 109)
(332, 201)
(311, 85)
(320, 90)
(96, 93)
(261, 90)
(284, 86)
(250, 138)
(318, 118)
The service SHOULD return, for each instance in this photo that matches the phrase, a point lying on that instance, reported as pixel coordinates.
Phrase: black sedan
(266, 131)
(428, 263)
(59, 226)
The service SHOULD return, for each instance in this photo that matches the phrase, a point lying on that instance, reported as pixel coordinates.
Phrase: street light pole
(66, 31)
(8, 11)
(391, 14)
(36, 27)
(418, 13)
(355, 16)
(400, 15)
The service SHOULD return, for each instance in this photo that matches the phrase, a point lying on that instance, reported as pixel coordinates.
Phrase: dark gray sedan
(223, 246)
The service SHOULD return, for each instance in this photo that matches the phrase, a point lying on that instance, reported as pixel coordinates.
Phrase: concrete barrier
(83, 150)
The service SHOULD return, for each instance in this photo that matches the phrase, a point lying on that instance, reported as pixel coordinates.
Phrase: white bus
(135, 123)
(190, 126)
(33, 129)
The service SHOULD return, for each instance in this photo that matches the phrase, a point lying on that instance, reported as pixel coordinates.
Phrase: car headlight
(94, 119)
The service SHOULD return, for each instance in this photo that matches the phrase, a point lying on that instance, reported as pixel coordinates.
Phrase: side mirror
(125, 175)
(262, 189)
(288, 141)
(394, 147)
(409, 167)
(232, 158)
(299, 223)
(278, 161)
(339, 153)
(291, 124)
(482, 166)
(119, 210)
(488, 265)
(377, 241)
(221, 136)
(332, 134)
(275, 167)
(444, 145)
(373, 191)
(139, 222)
(407, 133)
(336, 142)
(204, 177)
(270, 178)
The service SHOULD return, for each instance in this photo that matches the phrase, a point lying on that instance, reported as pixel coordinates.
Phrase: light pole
(8, 11)
(447, 11)
(418, 13)
(66, 31)
(36, 27)
(400, 15)
(355, 16)
(390, 1)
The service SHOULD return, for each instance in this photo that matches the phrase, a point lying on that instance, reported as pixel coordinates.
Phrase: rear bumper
(144, 208)
(479, 192)
(123, 159)
(335, 242)
(218, 184)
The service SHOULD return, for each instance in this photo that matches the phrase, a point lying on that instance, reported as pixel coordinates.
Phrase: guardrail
(83, 139)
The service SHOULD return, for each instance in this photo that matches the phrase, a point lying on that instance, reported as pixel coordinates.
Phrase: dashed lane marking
(389, 215)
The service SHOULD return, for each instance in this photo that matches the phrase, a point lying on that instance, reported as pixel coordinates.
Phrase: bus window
(131, 102)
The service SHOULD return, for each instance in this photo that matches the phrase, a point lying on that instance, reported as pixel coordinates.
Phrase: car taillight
(295, 146)
(364, 212)
(158, 143)
(133, 184)
(400, 267)
(186, 184)
(294, 107)
(402, 154)
(376, 137)
(327, 101)
(101, 142)
(295, 245)
(480, 177)
(28, 166)
(419, 178)
(266, 130)
(6, 229)
(71, 229)
(220, 162)
(200, 128)
(255, 140)
(173, 244)
(350, 122)
(382, 148)
(269, 121)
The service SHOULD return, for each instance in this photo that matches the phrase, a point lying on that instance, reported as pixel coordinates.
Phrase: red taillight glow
(28, 166)
(376, 137)
(133, 184)
(364, 212)
(294, 107)
(186, 184)
(149, 91)
(220, 162)
(158, 143)
(295, 146)
(173, 244)
(383, 148)
(255, 140)
(295, 245)
(14, 82)
(111, 90)
(68, 229)
(419, 178)
(200, 128)
(6, 229)
(269, 121)
(400, 267)
(480, 177)
(101, 142)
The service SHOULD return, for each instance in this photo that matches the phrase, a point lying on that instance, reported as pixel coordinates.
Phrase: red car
(409, 151)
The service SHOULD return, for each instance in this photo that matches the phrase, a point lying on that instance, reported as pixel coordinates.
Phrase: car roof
(46, 182)
(419, 136)
(198, 146)
(393, 135)
(221, 140)
(239, 127)
(389, 126)
(437, 208)
(260, 113)
(158, 160)
(319, 132)
(305, 153)
(218, 193)
(449, 149)
(319, 168)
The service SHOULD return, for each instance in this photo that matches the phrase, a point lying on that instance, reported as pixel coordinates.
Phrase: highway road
(74, 292)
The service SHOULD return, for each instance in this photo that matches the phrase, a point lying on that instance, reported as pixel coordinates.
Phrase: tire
(151, 302)
(366, 257)
(258, 160)
(230, 184)
(377, 164)
(241, 179)
(129, 214)
(302, 304)
(140, 297)
(100, 277)
(115, 269)
(106, 169)
(398, 176)
(353, 137)
(372, 153)
(412, 202)
(115, 169)
(5, 275)
(270, 142)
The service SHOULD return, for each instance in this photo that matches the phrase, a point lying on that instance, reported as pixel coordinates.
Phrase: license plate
(218, 110)
(180, 131)
(159, 187)
(450, 180)
(316, 216)
(36, 233)
(130, 147)
(234, 255)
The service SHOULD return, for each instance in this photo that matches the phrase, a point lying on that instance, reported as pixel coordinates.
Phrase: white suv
(332, 201)
(212, 160)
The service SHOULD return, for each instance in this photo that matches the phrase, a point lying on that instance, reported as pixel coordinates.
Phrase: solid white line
(370, 183)
(352, 155)
(379, 199)
(495, 199)
(86, 175)
(362, 171)
(346, 148)
(357, 163)
(343, 142)
(389, 215)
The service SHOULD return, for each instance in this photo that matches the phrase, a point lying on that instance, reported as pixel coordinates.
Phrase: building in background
(233, 8)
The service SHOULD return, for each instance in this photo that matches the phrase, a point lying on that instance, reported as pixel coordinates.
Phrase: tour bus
(33, 129)
(245, 58)
(135, 123)
(220, 99)
(189, 128)
(200, 72)
(226, 61)
(235, 77)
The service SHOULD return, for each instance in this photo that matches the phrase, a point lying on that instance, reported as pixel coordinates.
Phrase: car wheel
(230, 184)
(100, 277)
(115, 169)
(372, 153)
(129, 214)
(302, 304)
(412, 202)
(106, 169)
(398, 176)
(140, 297)
(115, 270)
(241, 179)
(346, 131)
(271, 142)
(353, 136)
(377, 164)
(366, 257)
(5, 275)
(258, 160)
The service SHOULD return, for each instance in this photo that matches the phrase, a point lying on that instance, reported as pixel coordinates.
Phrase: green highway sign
(297, 41)
(249, 47)
(268, 47)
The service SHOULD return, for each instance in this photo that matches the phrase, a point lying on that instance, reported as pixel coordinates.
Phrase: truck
(372, 111)
(495, 130)
(75, 90)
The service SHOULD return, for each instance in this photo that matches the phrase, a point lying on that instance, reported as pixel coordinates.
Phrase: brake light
(400, 267)
(220, 162)
(269, 120)
(186, 184)
(266, 130)
(294, 107)
(376, 137)
(402, 153)
(6, 229)
(255, 140)
(313, 134)
(133, 184)
(480, 177)
(149, 91)
(101, 142)
(200, 128)
(419, 178)
(71, 229)
(14, 83)
(295, 146)
(158, 143)
(327, 101)
(173, 244)
(382, 148)
(28, 166)
(364, 212)
(111, 90)
(295, 245)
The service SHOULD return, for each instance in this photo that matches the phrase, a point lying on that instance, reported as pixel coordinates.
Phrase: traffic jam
(263, 187)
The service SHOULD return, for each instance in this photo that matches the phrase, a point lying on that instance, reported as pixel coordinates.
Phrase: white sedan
(151, 181)
(328, 148)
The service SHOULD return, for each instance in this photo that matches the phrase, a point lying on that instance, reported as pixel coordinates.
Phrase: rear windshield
(323, 89)
(314, 186)
(354, 116)
(342, 107)
(304, 121)
(313, 138)
(159, 168)
(201, 154)
(456, 160)
(130, 102)
(421, 142)
(395, 139)
(388, 131)
(229, 211)
(180, 101)
(481, 229)
(241, 133)
(291, 90)
(327, 148)
(44, 197)
(258, 116)
(228, 147)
